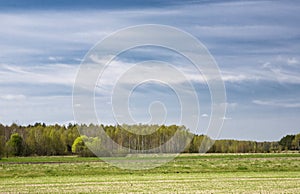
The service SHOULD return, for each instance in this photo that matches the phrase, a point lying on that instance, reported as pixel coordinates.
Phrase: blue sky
(255, 43)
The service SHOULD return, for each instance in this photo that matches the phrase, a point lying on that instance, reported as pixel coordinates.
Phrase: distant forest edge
(47, 140)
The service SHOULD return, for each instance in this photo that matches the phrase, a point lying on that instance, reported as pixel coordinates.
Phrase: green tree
(296, 142)
(2, 145)
(14, 146)
(286, 141)
(79, 146)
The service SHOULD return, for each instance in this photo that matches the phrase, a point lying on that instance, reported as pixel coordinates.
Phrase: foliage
(296, 142)
(81, 146)
(2, 145)
(286, 142)
(14, 146)
(47, 140)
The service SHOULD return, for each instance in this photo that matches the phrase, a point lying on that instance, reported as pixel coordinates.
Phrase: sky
(256, 45)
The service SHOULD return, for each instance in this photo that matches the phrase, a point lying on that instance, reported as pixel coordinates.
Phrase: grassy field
(188, 173)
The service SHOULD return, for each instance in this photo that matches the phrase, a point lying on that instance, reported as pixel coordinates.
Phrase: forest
(49, 140)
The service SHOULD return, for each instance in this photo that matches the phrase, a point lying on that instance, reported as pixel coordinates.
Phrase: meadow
(187, 173)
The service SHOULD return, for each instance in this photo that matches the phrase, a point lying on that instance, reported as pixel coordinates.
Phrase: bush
(79, 146)
(14, 146)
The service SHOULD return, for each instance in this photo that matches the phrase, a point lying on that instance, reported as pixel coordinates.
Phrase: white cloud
(55, 59)
(43, 74)
(277, 69)
(231, 105)
(226, 118)
(278, 103)
(250, 32)
(292, 61)
(231, 77)
(266, 65)
(68, 28)
(269, 71)
(36, 35)
(118, 71)
(204, 115)
(13, 97)
(283, 70)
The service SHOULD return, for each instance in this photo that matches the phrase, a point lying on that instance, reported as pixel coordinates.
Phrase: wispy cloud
(256, 50)
(13, 97)
(226, 118)
(44, 74)
(278, 103)
(292, 61)
(204, 115)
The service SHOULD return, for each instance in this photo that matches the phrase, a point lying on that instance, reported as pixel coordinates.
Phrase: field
(188, 173)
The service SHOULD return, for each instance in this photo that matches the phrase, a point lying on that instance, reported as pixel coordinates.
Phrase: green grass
(45, 159)
(189, 173)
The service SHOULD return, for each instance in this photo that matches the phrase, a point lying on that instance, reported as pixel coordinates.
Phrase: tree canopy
(40, 139)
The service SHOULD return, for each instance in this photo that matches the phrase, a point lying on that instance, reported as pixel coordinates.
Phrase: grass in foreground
(190, 173)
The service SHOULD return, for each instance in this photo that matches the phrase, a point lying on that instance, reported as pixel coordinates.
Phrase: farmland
(191, 173)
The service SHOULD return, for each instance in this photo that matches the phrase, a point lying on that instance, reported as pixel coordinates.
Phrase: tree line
(46, 140)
